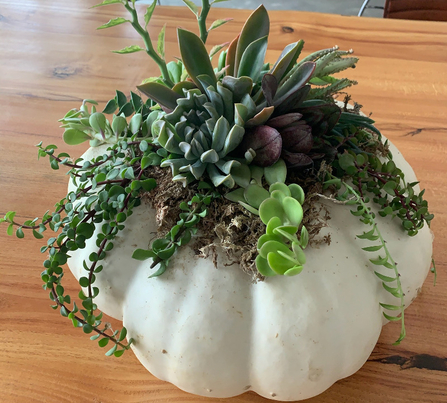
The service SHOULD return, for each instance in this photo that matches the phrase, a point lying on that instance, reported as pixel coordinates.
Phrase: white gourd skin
(212, 332)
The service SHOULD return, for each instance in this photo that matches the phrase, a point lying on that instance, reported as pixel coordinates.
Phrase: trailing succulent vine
(235, 132)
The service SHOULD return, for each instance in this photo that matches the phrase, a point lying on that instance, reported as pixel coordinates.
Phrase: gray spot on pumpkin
(288, 30)
(315, 374)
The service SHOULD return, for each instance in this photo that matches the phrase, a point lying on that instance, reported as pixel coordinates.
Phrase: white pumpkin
(213, 332)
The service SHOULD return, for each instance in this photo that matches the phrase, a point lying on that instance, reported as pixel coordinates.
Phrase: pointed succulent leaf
(209, 156)
(236, 195)
(148, 14)
(250, 105)
(192, 7)
(161, 94)
(300, 78)
(175, 164)
(241, 175)
(113, 22)
(184, 178)
(216, 49)
(183, 86)
(338, 65)
(269, 87)
(219, 134)
(323, 61)
(294, 101)
(219, 23)
(227, 166)
(240, 114)
(161, 42)
(331, 89)
(256, 26)
(218, 179)
(252, 59)
(249, 208)
(238, 86)
(128, 49)
(231, 56)
(233, 139)
(227, 99)
(286, 60)
(316, 55)
(198, 61)
(261, 117)
(285, 120)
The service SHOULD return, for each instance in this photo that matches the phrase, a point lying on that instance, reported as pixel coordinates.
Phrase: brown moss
(228, 226)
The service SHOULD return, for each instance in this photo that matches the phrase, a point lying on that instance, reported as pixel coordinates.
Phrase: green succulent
(200, 133)
(280, 209)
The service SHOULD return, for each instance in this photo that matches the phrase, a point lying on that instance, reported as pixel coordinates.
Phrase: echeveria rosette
(200, 134)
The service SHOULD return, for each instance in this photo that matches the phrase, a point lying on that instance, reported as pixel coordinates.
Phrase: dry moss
(228, 226)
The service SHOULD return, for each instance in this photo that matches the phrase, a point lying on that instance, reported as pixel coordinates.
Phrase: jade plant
(241, 132)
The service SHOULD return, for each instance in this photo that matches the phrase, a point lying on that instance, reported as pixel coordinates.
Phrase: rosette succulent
(245, 112)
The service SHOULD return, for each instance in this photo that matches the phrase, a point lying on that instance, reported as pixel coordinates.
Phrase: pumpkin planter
(251, 232)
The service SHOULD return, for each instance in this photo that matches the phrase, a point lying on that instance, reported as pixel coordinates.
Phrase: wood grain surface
(52, 57)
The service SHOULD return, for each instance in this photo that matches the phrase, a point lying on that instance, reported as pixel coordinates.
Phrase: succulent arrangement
(238, 131)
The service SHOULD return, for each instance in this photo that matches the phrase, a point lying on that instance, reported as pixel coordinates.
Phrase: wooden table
(52, 57)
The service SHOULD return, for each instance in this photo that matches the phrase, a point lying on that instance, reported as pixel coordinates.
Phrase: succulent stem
(202, 20)
(148, 44)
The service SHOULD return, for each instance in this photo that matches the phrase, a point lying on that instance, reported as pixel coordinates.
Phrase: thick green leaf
(74, 137)
(252, 60)
(215, 49)
(257, 26)
(192, 7)
(107, 2)
(390, 307)
(128, 49)
(391, 318)
(143, 254)
(218, 23)
(386, 279)
(263, 267)
(297, 80)
(286, 60)
(231, 56)
(196, 62)
(149, 12)
(373, 248)
(113, 22)
(160, 94)
(161, 42)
